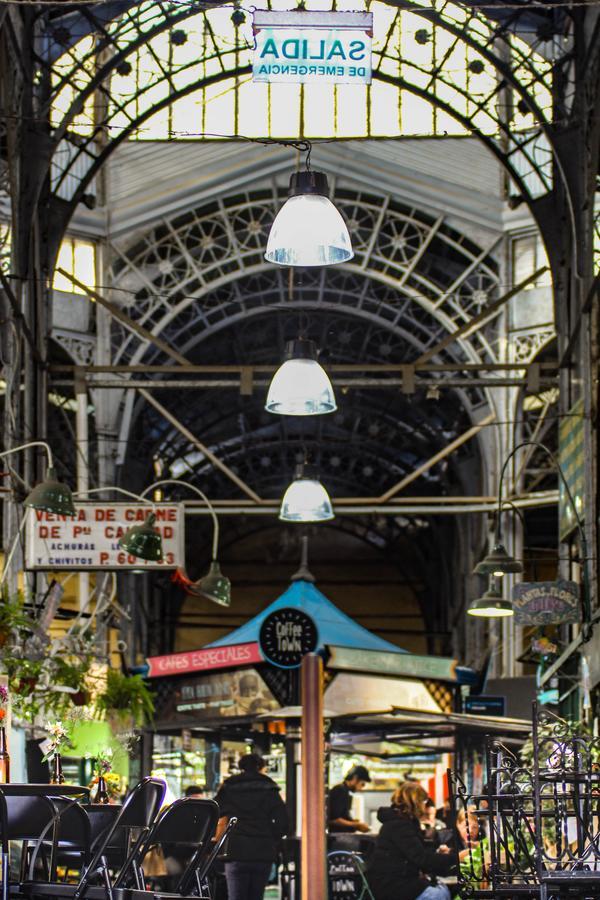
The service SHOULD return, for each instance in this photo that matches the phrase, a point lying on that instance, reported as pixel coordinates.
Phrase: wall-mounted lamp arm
(202, 495)
(27, 446)
(579, 523)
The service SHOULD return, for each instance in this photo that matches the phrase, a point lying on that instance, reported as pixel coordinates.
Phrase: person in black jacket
(401, 863)
(254, 799)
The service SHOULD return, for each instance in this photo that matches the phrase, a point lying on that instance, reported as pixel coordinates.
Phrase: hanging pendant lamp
(306, 500)
(214, 586)
(498, 563)
(143, 541)
(492, 605)
(300, 386)
(308, 229)
(51, 496)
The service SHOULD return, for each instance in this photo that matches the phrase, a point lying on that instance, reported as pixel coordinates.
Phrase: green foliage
(12, 614)
(126, 696)
(38, 668)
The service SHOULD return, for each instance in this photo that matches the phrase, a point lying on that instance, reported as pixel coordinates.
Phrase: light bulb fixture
(308, 230)
(50, 495)
(306, 500)
(492, 605)
(214, 585)
(143, 541)
(300, 386)
(498, 563)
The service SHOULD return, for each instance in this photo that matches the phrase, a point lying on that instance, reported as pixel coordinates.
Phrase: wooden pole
(313, 869)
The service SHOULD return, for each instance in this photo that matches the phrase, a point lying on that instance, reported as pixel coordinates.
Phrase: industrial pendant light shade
(308, 230)
(143, 541)
(51, 496)
(300, 386)
(214, 586)
(306, 500)
(492, 605)
(498, 563)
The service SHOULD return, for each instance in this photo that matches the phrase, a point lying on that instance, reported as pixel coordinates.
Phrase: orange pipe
(313, 872)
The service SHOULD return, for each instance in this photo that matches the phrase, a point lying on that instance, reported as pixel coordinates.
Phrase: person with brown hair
(401, 863)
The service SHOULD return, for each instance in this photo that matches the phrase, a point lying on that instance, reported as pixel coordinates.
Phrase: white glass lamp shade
(300, 386)
(308, 230)
(306, 500)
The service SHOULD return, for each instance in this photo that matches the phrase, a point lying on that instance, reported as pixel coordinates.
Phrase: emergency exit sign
(312, 47)
(90, 538)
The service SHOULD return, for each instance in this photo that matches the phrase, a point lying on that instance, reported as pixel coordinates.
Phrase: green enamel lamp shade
(491, 606)
(143, 541)
(51, 496)
(214, 586)
(498, 563)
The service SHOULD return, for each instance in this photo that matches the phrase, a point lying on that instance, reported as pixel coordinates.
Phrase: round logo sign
(286, 636)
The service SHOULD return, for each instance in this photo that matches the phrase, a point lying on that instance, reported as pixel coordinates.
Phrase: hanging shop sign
(215, 695)
(90, 539)
(204, 660)
(403, 665)
(571, 455)
(312, 47)
(546, 602)
(484, 705)
(287, 635)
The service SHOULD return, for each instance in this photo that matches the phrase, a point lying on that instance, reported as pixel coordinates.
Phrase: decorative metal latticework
(439, 69)
(194, 274)
(535, 828)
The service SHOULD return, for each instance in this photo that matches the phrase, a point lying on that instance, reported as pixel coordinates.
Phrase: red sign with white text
(204, 660)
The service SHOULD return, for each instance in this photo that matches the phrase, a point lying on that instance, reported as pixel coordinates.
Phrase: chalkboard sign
(346, 881)
(286, 636)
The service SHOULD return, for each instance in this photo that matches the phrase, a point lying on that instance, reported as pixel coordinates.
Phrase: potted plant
(126, 698)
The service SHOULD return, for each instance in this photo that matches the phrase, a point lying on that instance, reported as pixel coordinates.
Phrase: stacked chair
(107, 851)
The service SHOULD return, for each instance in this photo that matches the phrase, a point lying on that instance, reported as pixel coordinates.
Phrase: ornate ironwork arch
(521, 135)
(194, 274)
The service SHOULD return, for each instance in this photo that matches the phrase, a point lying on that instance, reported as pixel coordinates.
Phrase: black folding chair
(134, 820)
(195, 880)
(21, 819)
(186, 824)
(67, 836)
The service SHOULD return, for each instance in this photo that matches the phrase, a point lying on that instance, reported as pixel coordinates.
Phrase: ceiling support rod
(437, 457)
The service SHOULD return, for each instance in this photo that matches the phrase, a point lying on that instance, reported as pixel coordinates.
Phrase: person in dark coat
(254, 799)
(401, 864)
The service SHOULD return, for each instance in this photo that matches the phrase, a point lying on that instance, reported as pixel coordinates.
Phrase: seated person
(467, 826)
(402, 867)
(434, 830)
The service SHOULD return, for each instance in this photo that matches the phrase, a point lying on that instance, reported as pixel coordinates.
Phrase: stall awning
(333, 626)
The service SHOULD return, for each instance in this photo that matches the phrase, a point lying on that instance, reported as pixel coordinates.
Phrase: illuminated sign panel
(312, 47)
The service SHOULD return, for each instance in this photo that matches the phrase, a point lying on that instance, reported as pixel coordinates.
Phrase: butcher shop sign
(90, 539)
